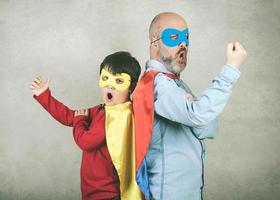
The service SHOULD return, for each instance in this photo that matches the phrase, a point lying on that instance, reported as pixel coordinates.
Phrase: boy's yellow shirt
(120, 140)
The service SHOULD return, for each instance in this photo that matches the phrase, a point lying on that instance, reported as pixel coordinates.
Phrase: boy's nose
(110, 87)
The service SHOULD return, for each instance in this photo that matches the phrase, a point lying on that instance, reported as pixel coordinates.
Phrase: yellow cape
(120, 141)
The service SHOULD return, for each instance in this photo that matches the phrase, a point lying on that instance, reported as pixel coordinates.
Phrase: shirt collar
(156, 65)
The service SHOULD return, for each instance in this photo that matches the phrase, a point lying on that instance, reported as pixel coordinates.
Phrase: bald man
(173, 166)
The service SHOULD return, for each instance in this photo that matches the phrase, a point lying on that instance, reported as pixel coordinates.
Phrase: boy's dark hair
(123, 62)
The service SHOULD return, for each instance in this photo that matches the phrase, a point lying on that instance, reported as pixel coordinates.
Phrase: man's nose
(183, 44)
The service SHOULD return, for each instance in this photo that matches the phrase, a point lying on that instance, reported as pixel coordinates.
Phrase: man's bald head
(163, 20)
(173, 57)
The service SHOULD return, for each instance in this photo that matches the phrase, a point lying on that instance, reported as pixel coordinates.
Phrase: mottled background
(67, 40)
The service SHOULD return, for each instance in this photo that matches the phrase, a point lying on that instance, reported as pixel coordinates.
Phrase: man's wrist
(230, 73)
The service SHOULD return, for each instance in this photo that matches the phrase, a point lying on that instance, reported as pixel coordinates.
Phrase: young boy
(103, 132)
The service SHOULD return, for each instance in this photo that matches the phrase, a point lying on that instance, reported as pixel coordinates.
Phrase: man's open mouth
(182, 54)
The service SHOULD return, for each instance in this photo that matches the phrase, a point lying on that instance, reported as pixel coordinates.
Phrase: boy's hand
(38, 86)
(81, 112)
(236, 54)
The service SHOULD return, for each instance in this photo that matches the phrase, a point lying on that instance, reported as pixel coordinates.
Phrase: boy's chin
(113, 103)
(110, 103)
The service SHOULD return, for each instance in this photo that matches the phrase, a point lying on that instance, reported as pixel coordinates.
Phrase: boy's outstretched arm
(58, 110)
(87, 139)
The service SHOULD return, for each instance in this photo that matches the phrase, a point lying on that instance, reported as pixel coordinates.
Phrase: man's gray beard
(171, 64)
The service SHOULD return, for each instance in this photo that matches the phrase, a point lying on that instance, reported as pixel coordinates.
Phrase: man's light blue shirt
(175, 159)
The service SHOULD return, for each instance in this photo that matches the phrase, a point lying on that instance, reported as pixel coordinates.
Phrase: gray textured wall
(67, 40)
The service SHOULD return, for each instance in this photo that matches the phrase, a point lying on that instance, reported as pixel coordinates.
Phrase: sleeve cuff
(230, 74)
(79, 118)
(43, 95)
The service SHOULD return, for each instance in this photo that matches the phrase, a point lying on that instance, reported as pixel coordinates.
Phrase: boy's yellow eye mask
(119, 81)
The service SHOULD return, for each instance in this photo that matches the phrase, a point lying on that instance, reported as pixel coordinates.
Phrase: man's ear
(154, 48)
(156, 43)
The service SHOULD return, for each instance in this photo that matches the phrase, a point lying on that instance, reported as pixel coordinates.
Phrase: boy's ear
(130, 88)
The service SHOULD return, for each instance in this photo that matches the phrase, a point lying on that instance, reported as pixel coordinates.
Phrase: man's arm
(208, 131)
(58, 110)
(87, 139)
(171, 101)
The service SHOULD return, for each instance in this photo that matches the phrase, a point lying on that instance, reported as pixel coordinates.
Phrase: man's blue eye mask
(168, 40)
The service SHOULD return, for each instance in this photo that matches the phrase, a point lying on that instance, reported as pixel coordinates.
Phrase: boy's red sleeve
(57, 109)
(87, 139)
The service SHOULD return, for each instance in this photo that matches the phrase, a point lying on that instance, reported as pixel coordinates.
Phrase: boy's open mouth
(109, 96)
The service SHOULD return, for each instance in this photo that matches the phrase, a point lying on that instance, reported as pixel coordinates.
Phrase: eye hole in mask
(119, 80)
(104, 78)
(174, 37)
